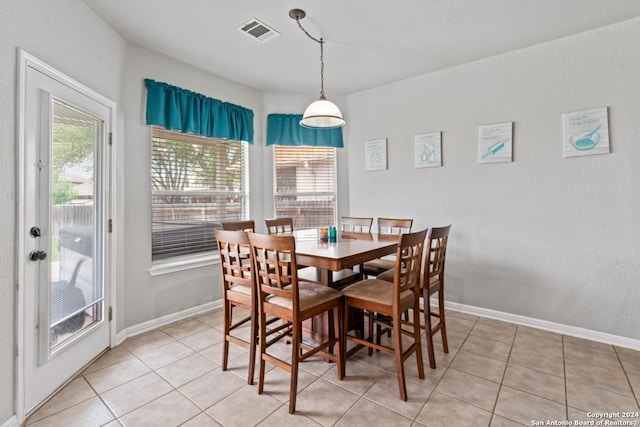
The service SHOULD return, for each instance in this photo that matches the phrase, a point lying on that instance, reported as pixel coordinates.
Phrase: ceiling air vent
(258, 30)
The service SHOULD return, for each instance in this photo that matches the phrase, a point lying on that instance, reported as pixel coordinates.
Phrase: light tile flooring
(495, 373)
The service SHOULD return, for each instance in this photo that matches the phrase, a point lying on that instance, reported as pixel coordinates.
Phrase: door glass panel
(76, 291)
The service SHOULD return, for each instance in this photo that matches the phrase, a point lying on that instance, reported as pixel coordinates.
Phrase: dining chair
(285, 225)
(351, 224)
(237, 291)
(391, 300)
(248, 225)
(432, 282)
(280, 294)
(387, 226)
(279, 225)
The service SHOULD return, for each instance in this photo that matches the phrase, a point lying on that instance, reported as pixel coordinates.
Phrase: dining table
(347, 251)
(337, 264)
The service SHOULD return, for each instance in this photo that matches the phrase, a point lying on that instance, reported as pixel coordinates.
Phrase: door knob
(37, 255)
(35, 231)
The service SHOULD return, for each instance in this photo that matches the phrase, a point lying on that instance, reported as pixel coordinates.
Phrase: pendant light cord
(321, 42)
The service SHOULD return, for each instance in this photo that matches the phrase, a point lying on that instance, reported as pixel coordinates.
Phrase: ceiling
(368, 42)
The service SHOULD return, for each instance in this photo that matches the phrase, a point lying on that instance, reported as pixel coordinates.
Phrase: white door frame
(26, 61)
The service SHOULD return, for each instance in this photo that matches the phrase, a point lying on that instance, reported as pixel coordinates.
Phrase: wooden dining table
(349, 250)
(334, 264)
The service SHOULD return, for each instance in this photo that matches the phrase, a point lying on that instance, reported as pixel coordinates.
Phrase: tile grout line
(633, 392)
(504, 373)
(133, 379)
(80, 375)
(173, 388)
(414, 419)
(598, 386)
(115, 417)
(360, 397)
(447, 369)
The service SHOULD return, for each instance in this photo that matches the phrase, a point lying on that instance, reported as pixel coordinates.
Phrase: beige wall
(543, 237)
(142, 297)
(67, 35)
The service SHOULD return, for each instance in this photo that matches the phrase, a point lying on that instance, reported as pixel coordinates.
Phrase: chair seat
(240, 289)
(376, 291)
(387, 276)
(378, 266)
(311, 295)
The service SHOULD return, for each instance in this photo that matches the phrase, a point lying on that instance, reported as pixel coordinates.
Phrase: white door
(64, 230)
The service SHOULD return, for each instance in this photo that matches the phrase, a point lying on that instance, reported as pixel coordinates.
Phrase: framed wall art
(375, 152)
(495, 143)
(586, 132)
(428, 150)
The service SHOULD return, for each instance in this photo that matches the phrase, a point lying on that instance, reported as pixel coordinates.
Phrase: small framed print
(586, 132)
(495, 143)
(428, 150)
(375, 155)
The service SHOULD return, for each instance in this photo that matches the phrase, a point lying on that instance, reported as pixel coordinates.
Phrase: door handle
(37, 255)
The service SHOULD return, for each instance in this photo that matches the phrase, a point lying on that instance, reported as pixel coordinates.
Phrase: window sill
(183, 263)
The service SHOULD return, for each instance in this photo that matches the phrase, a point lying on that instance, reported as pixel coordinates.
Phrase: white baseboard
(164, 320)
(464, 308)
(546, 325)
(11, 422)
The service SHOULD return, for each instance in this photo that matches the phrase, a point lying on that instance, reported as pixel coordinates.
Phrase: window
(305, 185)
(196, 183)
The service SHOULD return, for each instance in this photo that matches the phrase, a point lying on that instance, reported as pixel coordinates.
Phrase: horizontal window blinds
(305, 185)
(196, 183)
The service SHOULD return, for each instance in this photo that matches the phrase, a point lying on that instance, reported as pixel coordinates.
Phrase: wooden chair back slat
(437, 241)
(275, 265)
(394, 225)
(235, 260)
(356, 224)
(279, 225)
(409, 262)
(248, 225)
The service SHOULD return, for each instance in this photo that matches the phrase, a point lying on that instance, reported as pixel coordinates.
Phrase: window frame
(333, 193)
(199, 259)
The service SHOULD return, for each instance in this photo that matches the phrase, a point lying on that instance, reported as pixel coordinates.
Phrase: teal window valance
(179, 109)
(285, 129)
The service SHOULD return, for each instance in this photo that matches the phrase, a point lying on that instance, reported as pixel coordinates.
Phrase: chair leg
(397, 338)
(443, 329)
(371, 321)
(428, 335)
(361, 323)
(339, 349)
(345, 330)
(227, 314)
(263, 349)
(416, 337)
(332, 331)
(252, 347)
(295, 362)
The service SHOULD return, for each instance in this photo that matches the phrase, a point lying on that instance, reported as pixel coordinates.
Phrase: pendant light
(321, 113)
